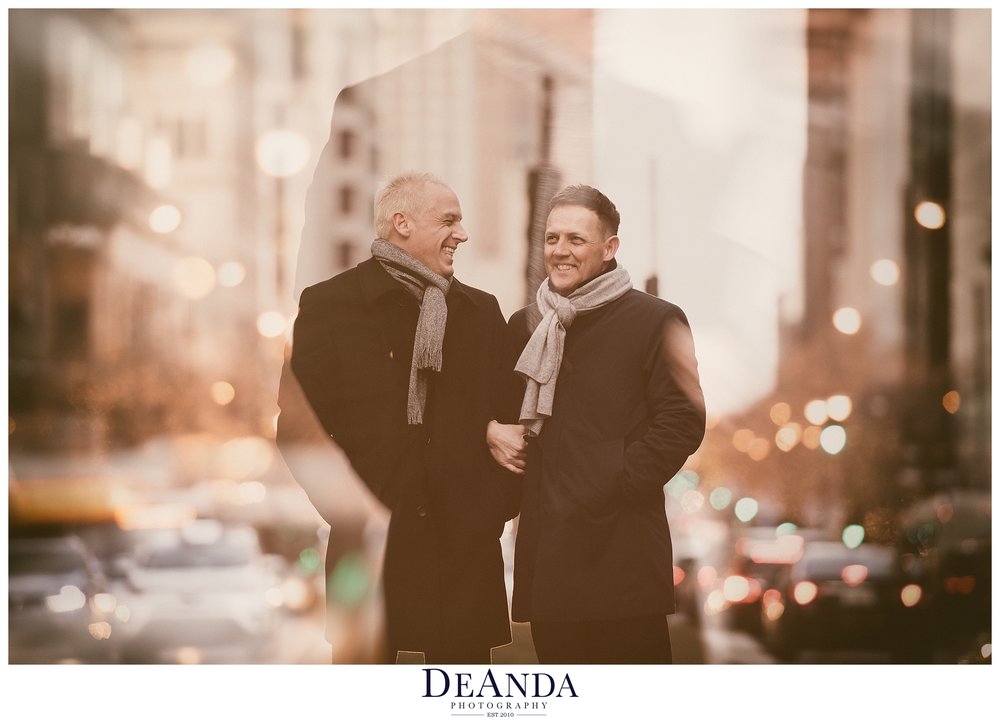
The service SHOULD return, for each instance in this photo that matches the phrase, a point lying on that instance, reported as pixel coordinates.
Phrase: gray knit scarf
(542, 356)
(430, 289)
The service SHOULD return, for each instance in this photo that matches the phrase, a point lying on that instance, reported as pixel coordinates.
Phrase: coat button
(421, 512)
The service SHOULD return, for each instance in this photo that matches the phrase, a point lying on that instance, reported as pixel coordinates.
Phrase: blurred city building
(159, 166)
(501, 106)
(883, 389)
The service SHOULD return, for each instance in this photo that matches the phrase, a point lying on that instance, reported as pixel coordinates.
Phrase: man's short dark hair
(588, 197)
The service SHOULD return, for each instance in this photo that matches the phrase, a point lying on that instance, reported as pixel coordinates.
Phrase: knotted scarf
(542, 356)
(430, 289)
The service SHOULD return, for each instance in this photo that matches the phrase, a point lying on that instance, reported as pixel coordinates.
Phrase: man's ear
(401, 223)
(612, 248)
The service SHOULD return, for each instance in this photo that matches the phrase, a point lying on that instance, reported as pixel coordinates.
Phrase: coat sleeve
(316, 463)
(675, 408)
(505, 392)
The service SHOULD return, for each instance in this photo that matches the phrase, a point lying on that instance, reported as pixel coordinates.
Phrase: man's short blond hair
(403, 193)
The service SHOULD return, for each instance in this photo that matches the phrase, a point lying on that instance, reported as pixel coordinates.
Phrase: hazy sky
(707, 109)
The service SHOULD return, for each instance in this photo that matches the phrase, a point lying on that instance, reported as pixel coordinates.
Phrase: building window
(345, 254)
(346, 141)
(347, 200)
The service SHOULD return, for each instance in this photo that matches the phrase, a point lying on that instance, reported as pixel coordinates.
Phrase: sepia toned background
(813, 187)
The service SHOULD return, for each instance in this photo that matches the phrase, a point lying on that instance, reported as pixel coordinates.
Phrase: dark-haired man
(611, 408)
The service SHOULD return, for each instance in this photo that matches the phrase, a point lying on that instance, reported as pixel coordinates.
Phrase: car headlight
(104, 603)
(69, 599)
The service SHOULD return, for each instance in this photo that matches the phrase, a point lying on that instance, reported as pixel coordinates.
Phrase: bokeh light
(165, 219)
(885, 272)
(805, 592)
(833, 439)
(349, 581)
(759, 449)
(746, 509)
(742, 439)
(911, 595)
(816, 413)
(811, 436)
(951, 402)
(271, 324)
(69, 599)
(232, 274)
(707, 576)
(930, 215)
(847, 320)
(194, 277)
(839, 407)
(781, 413)
(720, 498)
(788, 436)
(99, 630)
(105, 603)
(854, 574)
(853, 536)
(736, 588)
(282, 153)
(223, 393)
(692, 501)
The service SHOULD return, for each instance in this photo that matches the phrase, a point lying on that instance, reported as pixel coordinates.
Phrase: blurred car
(204, 593)
(59, 608)
(834, 598)
(735, 584)
(946, 545)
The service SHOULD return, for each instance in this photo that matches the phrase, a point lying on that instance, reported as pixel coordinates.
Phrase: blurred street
(816, 197)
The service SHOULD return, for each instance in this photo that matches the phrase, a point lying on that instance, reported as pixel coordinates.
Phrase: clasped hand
(508, 445)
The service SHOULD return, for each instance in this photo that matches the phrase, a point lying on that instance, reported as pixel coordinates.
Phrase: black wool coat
(593, 540)
(352, 347)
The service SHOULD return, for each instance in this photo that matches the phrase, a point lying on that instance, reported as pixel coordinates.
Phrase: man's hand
(507, 444)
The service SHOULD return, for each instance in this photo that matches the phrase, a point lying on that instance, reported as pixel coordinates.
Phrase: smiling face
(576, 249)
(432, 233)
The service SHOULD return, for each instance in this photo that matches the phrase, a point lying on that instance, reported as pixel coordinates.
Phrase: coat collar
(376, 283)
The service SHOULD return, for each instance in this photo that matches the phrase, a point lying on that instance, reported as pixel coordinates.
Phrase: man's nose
(459, 234)
(561, 247)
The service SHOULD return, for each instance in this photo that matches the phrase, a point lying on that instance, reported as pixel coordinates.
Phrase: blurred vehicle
(735, 584)
(686, 564)
(834, 598)
(59, 608)
(203, 593)
(947, 547)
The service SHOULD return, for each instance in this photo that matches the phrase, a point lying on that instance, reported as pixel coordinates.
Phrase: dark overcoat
(351, 352)
(593, 540)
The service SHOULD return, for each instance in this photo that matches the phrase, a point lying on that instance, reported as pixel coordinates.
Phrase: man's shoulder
(483, 300)
(526, 312)
(336, 288)
(641, 304)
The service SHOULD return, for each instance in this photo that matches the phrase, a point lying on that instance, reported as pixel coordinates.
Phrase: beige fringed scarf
(430, 289)
(542, 356)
